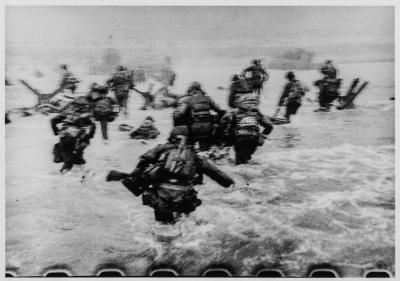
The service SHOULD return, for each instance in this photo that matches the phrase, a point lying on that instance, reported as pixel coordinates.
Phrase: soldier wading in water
(166, 175)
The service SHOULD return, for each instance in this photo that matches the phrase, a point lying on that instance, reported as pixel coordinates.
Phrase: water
(321, 189)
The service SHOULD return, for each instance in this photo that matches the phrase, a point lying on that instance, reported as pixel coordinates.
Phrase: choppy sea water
(321, 190)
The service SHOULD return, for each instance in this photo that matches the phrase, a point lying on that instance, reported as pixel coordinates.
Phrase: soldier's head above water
(178, 133)
(290, 75)
(121, 68)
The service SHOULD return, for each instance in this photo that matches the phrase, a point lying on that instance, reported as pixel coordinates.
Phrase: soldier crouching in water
(75, 128)
(167, 174)
(146, 131)
(241, 127)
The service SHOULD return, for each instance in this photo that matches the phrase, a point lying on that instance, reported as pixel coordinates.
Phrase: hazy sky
(84, 25)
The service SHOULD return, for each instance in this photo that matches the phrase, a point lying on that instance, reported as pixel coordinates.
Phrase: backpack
(331, 86)
(243, 86)
(105, 108)
(247, 126)
(202, 119)
(179, 162)
(296, 91)
(122, 80)
(247, 101)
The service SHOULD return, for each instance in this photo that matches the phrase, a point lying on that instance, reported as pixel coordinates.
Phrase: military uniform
(241, 129)
(237, 88)
(145, 132)
(76, 130)
(196, 111)
(328, 91)
(291, 97)
(104, 108)
(68, 82)
(172, 185)
(121, 83)
(258, 75)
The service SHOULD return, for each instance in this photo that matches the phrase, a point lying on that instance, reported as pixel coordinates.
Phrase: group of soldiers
(165, 176)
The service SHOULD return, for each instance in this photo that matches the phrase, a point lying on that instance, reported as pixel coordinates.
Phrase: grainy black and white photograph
(193, 141)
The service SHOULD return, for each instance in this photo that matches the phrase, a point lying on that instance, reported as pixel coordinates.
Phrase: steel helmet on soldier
(195, 86)
(121, 68)
(290, 75)
(178, 132)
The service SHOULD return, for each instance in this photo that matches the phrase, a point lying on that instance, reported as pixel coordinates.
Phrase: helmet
(290, 75)
(256, 61)
(177, 131)
(121, 68)
(93, 86)
(195, 86)
(150, 118)
(64, 66)
(235, 77)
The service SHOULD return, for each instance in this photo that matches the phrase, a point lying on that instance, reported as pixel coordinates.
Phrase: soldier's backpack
(247, 126)
(105, 109)
(179, 162)
(202, 120)
(331, 86)
(297, 91)
(244, 86)
(122, 80)
(248, 101)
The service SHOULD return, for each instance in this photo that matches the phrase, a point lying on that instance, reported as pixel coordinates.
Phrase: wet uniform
(121, 83)
(173, 191)
(77, 128)
(328, 91)
(291, 97)
(258, 76)
(236, 89)
(196, 111)
(241, 129)
(105, 109)
(145, 132)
